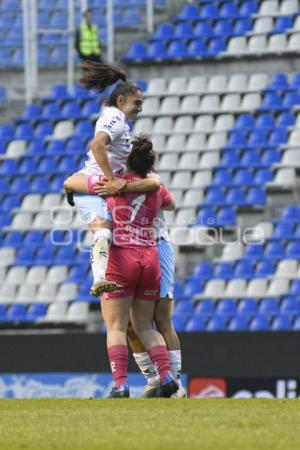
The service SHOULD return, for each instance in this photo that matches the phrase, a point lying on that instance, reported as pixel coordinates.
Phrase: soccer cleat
(120, 392)
(99, 287)
(181, 393)
(70, 199)
(167, 389)
(151, 390)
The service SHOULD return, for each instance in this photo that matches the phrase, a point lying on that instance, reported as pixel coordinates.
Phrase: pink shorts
(136, 270)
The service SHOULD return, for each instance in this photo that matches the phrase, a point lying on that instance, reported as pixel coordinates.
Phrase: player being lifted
(108, 153)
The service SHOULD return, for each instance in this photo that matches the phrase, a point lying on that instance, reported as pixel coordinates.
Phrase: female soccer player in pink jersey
(134, 265)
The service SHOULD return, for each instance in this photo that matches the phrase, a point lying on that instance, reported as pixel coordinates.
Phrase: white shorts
(92, 206)
(167, 268)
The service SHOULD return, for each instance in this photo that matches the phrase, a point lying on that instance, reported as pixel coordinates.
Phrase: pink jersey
(133, 215)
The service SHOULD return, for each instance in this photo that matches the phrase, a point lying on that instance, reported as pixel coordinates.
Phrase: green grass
(150, 424)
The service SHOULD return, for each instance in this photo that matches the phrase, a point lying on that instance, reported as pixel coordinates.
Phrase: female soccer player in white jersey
(109, 150)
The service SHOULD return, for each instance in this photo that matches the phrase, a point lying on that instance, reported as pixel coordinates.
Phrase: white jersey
(113, 122)
(160, 226)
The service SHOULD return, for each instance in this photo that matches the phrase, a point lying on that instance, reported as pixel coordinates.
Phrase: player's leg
(164, 308)
(142, 315)
(144, 362)
(115, 313)
(95, 213)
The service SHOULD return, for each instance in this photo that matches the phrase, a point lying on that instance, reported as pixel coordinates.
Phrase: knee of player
(68, 185)
(163, 324)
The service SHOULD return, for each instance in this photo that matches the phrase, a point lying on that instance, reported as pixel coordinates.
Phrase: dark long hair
(142, 156)
(98, 76)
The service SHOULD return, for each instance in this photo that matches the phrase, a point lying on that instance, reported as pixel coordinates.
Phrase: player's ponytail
(98, 76)
(142, 156)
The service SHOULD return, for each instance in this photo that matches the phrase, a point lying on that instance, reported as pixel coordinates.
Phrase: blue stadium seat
(51, 111)
(297, 232)
(247, 306)
(25, 256)
(257, 138)
(274, 250)
(89, 109)
(229, 10)
(216, 46)
(242, 26)
(222, 178)
(59, 92)
(34, 239)
(137, 51)
(45, 256)
(56, 146)
(71, 110)
(243, 178)
(20, 185)
(238, 323)
(83, 129)
(64, 255)
(195, 324)
(223, 270)
(269, 306)
(10, 202)
(244, 122)
(164, 31)
(271, 102)
(265, 121)
(295, 80)
(293, 250)
(204, 270)
(57, 183)
(177, 49)
(47, 166)
(265, 268)
(214, 196)
(36, 311)
(28, 167)
(209, 12)
(244, 269)
(291, 213)
(43, 129)
(4, 186)
(36, 147)
(281, 322)
(290, 100)
(278, 137)
(263, 176)
(207, 217)
(77, 274)
(188, 12)
(131, 17)
(203, 30)
(226, 307)
(270, 157)
(16, 313)
(256, 196)
(278, 82)
(191, 288)
(24, 131)
(157, 50)
(183, 31)
(40, 185)
(282, 24)
(196, 48)
(236, 139)
(251, 158)
(7, 132)
(296, 325)
(216, 323)
(3, 313)
(255, 251)
(205, 307)
(283, 230)
(184, 310)
(259, 323)
(178, 290)
(230, 159)
(289, 305)
(75, 145)
(226, 217)
(223, 28)
(32, 112)
(13, 239)
(295, 287)
(236, 196)
(9, 167)
(178, 324)
(68, 165)
(286, 119)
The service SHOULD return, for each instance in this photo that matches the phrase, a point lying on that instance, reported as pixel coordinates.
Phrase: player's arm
(168, 202)
(100, 153)
(151, 183)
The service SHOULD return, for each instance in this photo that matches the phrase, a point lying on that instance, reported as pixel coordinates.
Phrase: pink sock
(118, 358)
(159, 356)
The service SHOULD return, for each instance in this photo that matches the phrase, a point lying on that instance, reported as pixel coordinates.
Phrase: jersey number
(136, 206)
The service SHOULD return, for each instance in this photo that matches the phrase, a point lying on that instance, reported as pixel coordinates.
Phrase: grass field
(150, 424)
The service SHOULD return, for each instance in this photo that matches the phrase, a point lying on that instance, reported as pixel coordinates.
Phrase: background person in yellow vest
(87, 41)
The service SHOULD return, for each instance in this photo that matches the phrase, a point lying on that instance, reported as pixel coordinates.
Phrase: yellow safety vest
(89, 42)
